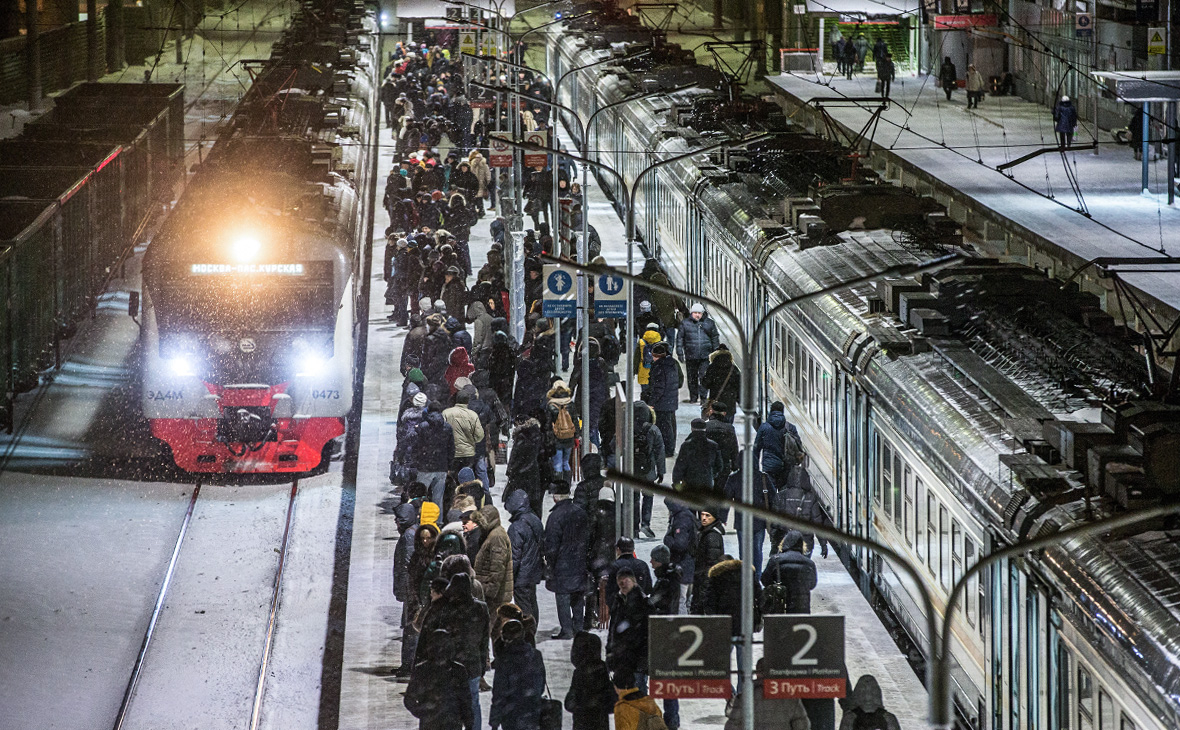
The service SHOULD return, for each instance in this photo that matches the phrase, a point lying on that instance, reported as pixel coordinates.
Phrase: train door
(653, 209)
(997, 676)
(697, 266)
(854, 460)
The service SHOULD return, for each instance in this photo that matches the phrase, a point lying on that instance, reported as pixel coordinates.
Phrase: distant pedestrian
(948, 77)
(467, 622)
(524, 462)
(861, 44)
(709, 550)
(438, 693)
(698, 339)
(625, 559)
(865, 708)
(723, 597)
(797, 499)
(1136, 129)
(974, 87)
(664, 600)
(789, 578)
(885, 74)
(681, 541)
(700, 462)
(591, 697)
(838, 53)
(565, 428)
(626, 642)
(722, 382)
(527, 536)
(1065, 121)
(850, 56)
(880, 50)
(777, 448)
(493, 562)
(664, 394)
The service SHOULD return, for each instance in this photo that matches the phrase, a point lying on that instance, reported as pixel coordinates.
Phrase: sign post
(541, 139)
(1157, 44)
(804, 657)
(559, 298)
(688, 657)
(1083, 25)
(468, 41)
(611, 294)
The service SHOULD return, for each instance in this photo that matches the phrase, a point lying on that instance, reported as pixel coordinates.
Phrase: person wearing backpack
(865, 710)
(635, 710)
(643, 357)
(777, 447)
(790, 576)
(763, 497)
(797, 499)
(565, 430)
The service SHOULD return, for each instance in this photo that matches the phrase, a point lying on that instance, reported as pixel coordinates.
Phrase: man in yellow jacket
(643, 359)
(634, 705)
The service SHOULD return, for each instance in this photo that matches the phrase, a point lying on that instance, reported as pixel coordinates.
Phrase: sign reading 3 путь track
(559, 296)
(804, 657)
(688, 657)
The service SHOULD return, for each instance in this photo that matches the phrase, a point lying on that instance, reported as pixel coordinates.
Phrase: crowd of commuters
(471, 553)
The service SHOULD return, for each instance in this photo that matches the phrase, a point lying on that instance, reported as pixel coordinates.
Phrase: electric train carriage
(249, 289)
(948, 415)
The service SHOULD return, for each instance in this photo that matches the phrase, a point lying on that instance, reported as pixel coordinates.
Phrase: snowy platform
(1028, 212)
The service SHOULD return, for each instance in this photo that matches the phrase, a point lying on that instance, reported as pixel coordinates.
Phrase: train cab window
(932, 534)
(1085, 700)
(944, 548)
(908, 516)
(974, 598)
(1106, 711)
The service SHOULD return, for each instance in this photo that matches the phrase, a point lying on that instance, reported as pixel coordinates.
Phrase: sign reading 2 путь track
(688, 657)
(804, 657)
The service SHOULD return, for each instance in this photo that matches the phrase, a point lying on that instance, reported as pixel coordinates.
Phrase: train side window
(956, 552)
(931, 533)
(1125, 723)
(1085, 700)
(1105, 711)
(908, 516)
(944, 548)
(973, 598)
(886, 483)
(918, 519)
(898, 482)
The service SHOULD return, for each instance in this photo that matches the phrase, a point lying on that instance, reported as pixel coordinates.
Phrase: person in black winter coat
(524, 462)
(586, 493)
(794, 571)
(722, 382)
(681, 540)
(532, 383)
(700, 462)
(436, 350)
(438, 693)
(415, 342)
(598, 388)
(567, 537)
(527, 535)
(431, 450)
(722, 433)
(591, 697)
(402, 270)
(519, 685)
(501, 365)
(466, 620)
(797, 499)
(777, 447)
(626, 640)
(698, 339)
(664, 600)
(625, 559)
(724, 597)
(663, 384)
(406, 517)
(763, 497)
(709, 551)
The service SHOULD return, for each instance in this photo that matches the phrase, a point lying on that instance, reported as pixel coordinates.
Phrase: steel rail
(272, 619)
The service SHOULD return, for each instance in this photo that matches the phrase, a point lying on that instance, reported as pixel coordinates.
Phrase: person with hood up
(769, 714)
(401, 273)
(698, 339)
(458, 366)
(527, 536)
(524, 462)
(591, 697)
(567, 536)
(483, 175)
(418, 595)
(466, 620)
(709, 550)
(700, 462)
(599, 392)
(586, 493)
(601, 553)
(777, 448)
(798, 500)
(948, 77)
(406, 517)
(459, 334)
(722, 381)
(415, 342)
(532, 382)
(644, 359)
(502, 364)
(519, 685)
(481, 320)
(438, 693)
(763, 497)
(436, 350)
(792, 575)
(649, 462)
(722, 433)
(681, 541)
(1065, 121)
(664, 393)
(431, 450)
(565, 429)
(975, 86)
(723, 597)
(865, 710)
(467, 431)
(493, 562)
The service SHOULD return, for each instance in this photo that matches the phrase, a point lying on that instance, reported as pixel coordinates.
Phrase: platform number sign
(610, 296)
(688, 657)
(804, 657)
(559, 298)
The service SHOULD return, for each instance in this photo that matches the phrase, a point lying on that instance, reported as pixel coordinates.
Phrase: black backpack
(775, 596)
(643, 465)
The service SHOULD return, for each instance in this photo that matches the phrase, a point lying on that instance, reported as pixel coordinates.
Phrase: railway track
(124, 717)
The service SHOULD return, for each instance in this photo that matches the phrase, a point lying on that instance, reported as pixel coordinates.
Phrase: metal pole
(1171, 123)
(747, 534)
(92, 40)
(33, 56)
(583, 259)
(179, 11)
(1145, 146)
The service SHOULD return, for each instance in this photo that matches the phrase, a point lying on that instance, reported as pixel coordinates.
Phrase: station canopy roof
(437, 8)
(1141, 85)
(862, 8)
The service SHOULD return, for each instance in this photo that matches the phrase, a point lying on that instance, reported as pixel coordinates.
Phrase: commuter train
(947, 416)
(249, 288)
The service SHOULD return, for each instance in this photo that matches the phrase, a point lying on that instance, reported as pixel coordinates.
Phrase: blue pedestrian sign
(610, 296)
(560, 296)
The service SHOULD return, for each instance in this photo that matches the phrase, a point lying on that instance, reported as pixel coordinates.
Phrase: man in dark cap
(700, 461)
(625, 559)
(664, 393)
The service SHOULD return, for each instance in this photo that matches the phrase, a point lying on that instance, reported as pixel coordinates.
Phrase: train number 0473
(325, 394)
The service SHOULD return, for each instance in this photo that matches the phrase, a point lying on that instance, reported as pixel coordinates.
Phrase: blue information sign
(610, 297)
(560, 295)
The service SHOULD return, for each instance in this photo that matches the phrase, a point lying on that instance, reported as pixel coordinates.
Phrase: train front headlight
(246, 247)
(182, 365)
(311, 365)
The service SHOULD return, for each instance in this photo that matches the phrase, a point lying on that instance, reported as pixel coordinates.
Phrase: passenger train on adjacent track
(249, 289)
(946, 416)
